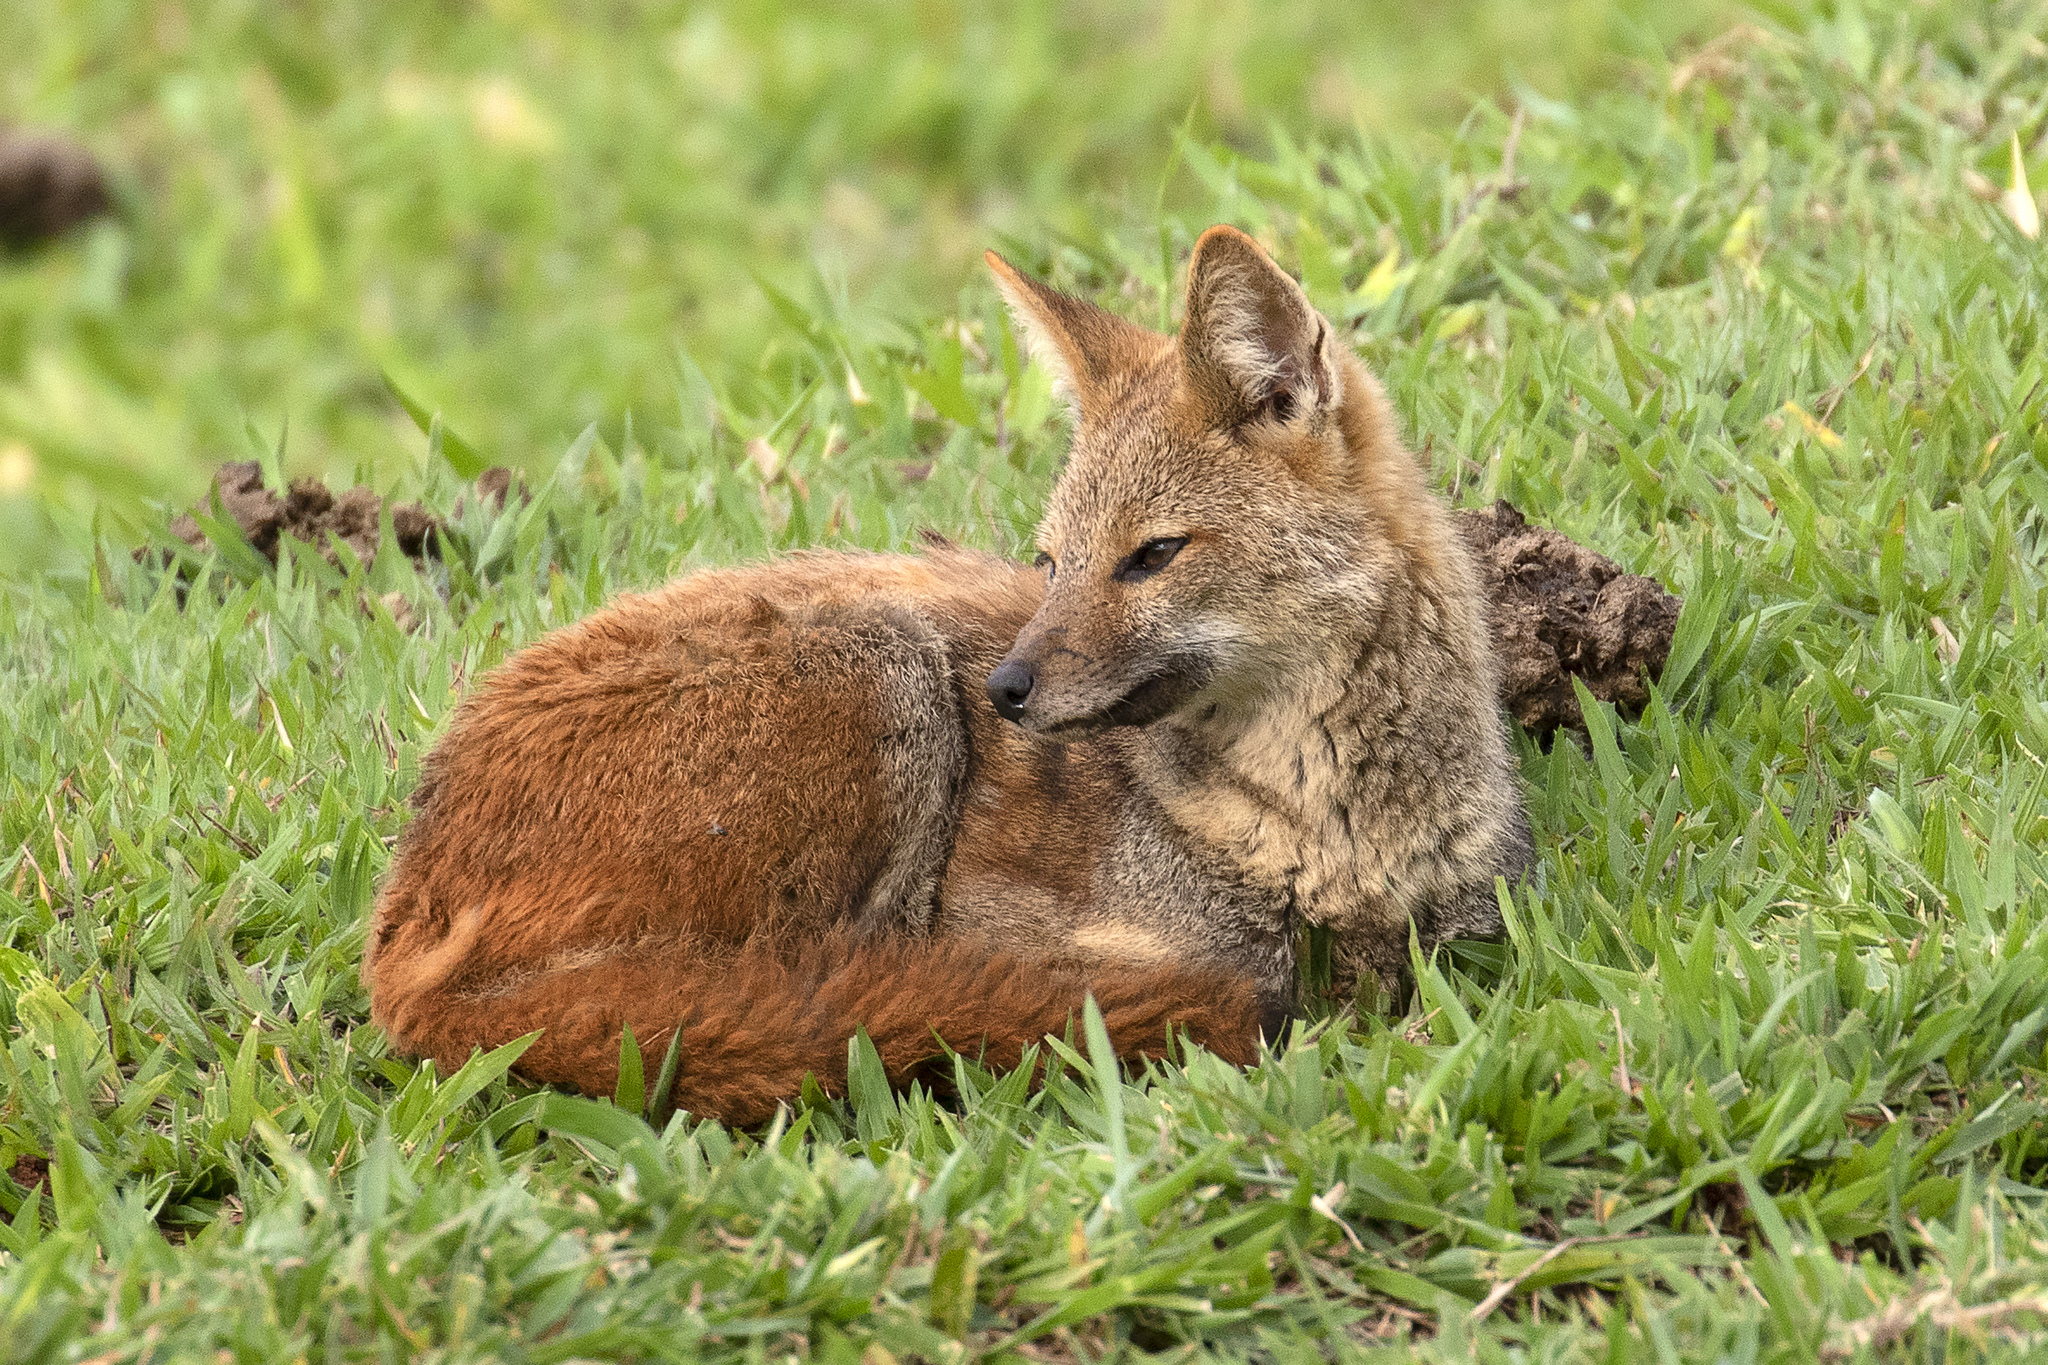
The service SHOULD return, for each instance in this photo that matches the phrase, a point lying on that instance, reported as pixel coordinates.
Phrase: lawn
(1759, 1072)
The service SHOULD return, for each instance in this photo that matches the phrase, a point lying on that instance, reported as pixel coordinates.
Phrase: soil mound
(47, 187)
(310, 512)
(1562, 611)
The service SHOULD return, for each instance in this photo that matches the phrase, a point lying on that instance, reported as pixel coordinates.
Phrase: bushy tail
(756, 1019)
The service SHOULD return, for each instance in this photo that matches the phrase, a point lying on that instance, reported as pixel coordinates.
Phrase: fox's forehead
(1139, 478)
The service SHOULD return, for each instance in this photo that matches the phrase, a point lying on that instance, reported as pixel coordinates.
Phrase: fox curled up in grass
(1248, 686)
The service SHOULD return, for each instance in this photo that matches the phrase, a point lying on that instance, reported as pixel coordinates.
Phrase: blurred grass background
(525, 213)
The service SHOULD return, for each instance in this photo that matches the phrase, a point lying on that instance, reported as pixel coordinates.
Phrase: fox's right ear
(1081, 345)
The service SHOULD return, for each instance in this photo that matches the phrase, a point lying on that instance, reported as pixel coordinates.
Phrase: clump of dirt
(493, 486)
(1560, 611)
(47, 187)
(30, 1172)
(310, 512)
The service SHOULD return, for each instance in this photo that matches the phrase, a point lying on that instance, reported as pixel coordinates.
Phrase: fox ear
(1081, 344)
(1251, 339)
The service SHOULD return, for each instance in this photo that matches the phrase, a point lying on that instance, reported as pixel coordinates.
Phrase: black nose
(1010, 686)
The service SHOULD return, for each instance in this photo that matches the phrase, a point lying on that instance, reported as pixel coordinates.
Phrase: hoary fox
(1246, 687)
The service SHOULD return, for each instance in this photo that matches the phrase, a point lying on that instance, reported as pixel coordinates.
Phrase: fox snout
(1009, 688)
(1081, 694)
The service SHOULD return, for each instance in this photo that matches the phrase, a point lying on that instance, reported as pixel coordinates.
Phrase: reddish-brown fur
(667, 816)
(759, 1017)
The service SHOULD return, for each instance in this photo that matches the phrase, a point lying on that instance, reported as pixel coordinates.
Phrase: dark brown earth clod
(47, 187)
(492, 485)
(1561, 611)
(30, 1172)
(310, 512)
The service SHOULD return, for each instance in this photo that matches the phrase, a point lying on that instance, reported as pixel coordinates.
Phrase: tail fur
(755, 1019)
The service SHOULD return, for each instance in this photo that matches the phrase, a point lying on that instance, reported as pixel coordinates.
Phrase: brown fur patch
(609, 834)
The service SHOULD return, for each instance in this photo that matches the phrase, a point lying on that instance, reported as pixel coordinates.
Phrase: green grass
(522, 211)
(1758, 1075)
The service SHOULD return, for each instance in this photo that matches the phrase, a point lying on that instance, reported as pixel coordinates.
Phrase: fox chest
(1324, 861)
(1310, 822)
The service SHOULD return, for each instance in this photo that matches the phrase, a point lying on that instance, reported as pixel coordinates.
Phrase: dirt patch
(47, 187)
(30, 1172)
(493, 486)
(1561, 611)
(311, 512)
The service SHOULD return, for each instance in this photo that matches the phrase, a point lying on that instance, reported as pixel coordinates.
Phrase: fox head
(1226, 512)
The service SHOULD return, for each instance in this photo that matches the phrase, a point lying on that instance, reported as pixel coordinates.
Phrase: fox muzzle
(1009, 688)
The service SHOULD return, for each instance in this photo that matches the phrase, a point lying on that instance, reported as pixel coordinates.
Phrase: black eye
(1150, 558)
(1044, 561)
(1281, 405)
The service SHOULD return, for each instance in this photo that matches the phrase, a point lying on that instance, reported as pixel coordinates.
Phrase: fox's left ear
(1251, 339)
